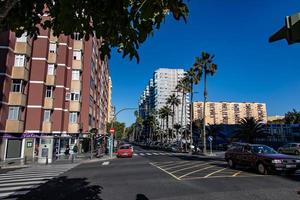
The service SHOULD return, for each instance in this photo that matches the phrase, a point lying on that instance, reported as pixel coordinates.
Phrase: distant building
(275, 118)
(159, 88)
(229, 112)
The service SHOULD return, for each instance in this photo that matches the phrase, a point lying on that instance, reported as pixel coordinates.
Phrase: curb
(98, 160)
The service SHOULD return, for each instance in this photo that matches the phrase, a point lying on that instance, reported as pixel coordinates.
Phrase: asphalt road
(154, 175)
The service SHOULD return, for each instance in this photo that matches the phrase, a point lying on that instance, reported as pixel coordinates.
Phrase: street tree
(249, 129)
(292, 117)
(119, 129)
(205, 64)
(173, 101)
(122, 24)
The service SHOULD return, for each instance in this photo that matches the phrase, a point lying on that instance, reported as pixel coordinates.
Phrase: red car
(125, 151)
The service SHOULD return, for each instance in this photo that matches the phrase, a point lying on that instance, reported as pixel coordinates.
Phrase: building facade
(109, 105)
(159, 88)
(55, 86)
(229, 112)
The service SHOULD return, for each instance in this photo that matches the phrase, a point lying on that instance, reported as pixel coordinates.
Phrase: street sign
(210, 138)
(111, 130)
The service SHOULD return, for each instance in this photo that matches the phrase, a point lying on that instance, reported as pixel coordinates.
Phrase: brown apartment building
(51, 86)
(229, 112)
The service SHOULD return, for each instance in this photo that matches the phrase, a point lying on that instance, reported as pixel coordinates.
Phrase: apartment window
(16, 86)
(73, 117)
(51, 69)
(75, 75)
(76, 36)
(14, 113)
(90, 120)
(47, 115)
(49, 92)
(77, 55)
(75, 96)
(52, 47)
(23, 38)
(20, 60)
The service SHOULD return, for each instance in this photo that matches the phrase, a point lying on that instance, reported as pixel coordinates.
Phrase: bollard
(25, 160)
(46, 160)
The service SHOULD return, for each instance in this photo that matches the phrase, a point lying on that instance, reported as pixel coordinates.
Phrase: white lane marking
(23, 183)
(166, 172)
(149, 154)
(14, 180)
(195, 171)
(29, 175)
(18, 188)
(208, 175)
(174, 162)
(198, 165)
(236, 174)
(180, 165)
(105, 163)
(155, 154)
(141, 154)
(135, 154)
(25, 177)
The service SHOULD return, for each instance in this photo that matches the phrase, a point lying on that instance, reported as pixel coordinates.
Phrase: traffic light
(290, 32)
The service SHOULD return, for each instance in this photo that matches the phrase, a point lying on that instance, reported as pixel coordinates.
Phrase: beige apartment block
(229, 112)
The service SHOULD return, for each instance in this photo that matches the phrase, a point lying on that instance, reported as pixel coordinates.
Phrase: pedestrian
(67, 151)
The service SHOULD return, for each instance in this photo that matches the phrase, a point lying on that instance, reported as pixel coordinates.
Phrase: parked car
(262, 158)
(290, 148)
(125, 151)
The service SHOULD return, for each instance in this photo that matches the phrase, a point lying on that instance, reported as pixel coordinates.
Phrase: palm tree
(249, 130)
(166, 112)
(205, 64)
(173, 101)
(193, 76)
(138, 125)
(177, 127)
(184, 88)
(292, 117)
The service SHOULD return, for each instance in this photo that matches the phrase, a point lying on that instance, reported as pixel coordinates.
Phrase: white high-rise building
(160, 87)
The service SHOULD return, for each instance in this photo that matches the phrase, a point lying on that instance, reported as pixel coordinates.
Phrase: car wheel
(231, 164)
(261, 169)
(297, 152)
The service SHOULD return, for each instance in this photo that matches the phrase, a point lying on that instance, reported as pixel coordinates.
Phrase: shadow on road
(141, 197)
(63, 188)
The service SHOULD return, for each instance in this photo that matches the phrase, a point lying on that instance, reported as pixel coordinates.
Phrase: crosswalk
(144, 153)
(20, 182)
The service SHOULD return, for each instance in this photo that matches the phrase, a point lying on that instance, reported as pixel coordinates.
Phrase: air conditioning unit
(68, 96)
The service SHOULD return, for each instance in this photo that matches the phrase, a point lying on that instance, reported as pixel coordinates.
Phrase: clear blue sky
(237, 32)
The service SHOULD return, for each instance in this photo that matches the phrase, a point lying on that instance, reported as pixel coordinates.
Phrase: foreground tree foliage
(123, 24)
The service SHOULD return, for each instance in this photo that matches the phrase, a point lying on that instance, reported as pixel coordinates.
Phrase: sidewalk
(82, 158)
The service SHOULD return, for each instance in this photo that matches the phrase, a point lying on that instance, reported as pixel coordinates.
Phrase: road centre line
(195, 171)
(180, 165)
(236, 174)
(166, 171)
(208, 175)
(198, 165)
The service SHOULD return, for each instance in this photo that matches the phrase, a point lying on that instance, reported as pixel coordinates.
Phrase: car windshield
(124, 147)
(263, 150)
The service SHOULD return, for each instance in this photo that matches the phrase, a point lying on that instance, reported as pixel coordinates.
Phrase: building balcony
(20, 73)
(77, 64)
(78, 45)
(76, 85)
(51, 57)
(17, 99)
(50, 80)
(47, 127)
(53, 38)
(23, 48)
(14, 126)
(48, 103)
(75, 106)
(73, 128)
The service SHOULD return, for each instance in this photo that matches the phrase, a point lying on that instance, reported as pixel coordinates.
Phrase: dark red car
(262, 158)
(125, 151)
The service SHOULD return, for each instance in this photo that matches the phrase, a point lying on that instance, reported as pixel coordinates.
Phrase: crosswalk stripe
(149, 154)
(21, 181)
(141, 154)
